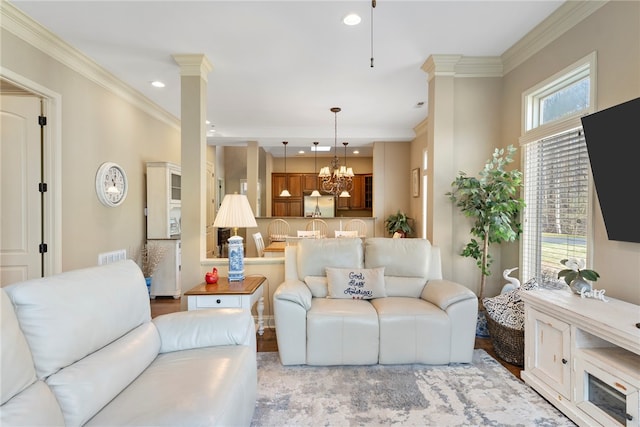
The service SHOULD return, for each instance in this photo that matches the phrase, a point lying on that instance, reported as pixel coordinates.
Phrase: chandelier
(336, 179)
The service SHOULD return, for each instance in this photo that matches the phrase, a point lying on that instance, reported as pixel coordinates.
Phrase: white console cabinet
(583, 356)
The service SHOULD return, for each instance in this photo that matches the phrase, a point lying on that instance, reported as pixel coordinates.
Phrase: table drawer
(218, 301)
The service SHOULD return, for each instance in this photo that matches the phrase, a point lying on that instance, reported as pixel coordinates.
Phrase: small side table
(225, 294)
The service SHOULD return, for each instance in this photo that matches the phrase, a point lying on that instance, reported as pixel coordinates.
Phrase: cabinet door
(548, 350)
(357, 195)
(295, 185)
(310, 182)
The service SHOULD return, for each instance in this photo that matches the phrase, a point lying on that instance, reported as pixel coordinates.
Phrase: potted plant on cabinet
(398, 223)
(492, 203)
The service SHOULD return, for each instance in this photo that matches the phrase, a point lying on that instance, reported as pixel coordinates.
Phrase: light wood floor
(268, 342)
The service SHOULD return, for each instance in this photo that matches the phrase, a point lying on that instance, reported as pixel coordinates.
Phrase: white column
(193, 111)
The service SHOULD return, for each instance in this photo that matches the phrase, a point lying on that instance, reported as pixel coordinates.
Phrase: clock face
(111, 184)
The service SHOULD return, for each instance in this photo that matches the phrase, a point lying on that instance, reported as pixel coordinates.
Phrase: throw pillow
(356, 283)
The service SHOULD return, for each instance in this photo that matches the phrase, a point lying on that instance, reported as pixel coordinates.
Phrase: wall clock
(111, 184)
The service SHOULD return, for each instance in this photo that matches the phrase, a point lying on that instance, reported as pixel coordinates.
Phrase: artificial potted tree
(492, 203)
(398, 223)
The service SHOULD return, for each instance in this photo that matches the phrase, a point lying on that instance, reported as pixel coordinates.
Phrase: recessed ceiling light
(356, 152)
(352, 19)
(301, 152)
(157, 83)
(320, 148)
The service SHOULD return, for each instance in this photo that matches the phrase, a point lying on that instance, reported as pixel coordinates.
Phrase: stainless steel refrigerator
(326, 206)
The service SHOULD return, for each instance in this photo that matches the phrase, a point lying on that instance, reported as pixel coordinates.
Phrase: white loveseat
(416, 317)
(80, 348)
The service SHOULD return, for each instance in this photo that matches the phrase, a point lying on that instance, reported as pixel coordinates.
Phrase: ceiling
(279, 66)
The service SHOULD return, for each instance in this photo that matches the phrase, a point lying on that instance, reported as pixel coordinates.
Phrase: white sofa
(80, 348)
(416, 318)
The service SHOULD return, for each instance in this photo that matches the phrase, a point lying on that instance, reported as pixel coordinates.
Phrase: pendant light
(315, 192)
(345, 171)
(335, 179)
(285, 192)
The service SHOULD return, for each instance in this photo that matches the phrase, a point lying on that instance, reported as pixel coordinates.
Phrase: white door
(20, 232)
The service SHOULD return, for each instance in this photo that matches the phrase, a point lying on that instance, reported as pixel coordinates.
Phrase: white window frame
(533, 132)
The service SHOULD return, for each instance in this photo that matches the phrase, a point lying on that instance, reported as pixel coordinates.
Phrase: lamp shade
(235, 212)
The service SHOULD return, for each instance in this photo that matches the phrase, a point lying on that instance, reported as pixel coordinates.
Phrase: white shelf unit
(166, 279)
(164, 182)
(583, 356)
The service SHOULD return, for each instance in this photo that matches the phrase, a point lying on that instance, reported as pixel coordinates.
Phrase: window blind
(556, 192)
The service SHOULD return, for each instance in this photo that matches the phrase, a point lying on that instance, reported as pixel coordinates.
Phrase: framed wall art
(415, 182)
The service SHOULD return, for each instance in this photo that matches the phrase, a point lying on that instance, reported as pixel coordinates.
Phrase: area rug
(482, 393)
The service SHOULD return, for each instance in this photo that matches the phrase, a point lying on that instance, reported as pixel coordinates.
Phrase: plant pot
(578, 285)
(148, 280)
(482, 330)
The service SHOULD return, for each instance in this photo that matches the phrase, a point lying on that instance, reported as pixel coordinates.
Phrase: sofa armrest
(444, 293)
(291, 301)
(185, 330)
(295, 291)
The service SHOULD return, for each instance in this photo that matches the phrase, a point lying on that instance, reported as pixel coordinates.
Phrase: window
(557, 177)
(556, 193)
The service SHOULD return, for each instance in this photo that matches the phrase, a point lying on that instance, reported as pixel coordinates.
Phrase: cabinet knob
(564, 361)
(218, 301)
(629, 417)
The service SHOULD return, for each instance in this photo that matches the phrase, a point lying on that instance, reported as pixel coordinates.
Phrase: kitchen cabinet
(362, 183)
(287, 206)
(164, 181)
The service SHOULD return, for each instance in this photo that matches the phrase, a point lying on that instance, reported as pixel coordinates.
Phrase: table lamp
(235, 212)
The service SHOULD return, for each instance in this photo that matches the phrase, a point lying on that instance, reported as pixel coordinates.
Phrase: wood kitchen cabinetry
(361, 195)
(300, 184)
(287, 206)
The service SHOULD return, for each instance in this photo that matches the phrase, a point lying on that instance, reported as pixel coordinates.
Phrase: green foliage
(398, 222)
(576, 269)
(492, 202)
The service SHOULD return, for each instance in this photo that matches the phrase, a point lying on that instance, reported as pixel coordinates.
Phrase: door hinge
(42, 120)
(42, 248)
(42, 187)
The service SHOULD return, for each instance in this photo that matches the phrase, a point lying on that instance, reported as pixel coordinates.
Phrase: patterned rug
(482, 393)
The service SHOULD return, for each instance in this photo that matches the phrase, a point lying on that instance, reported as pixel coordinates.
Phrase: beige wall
(96, 126)
(613, 32)
(470, 116)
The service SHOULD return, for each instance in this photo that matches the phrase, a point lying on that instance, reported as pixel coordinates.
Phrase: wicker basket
(508, 343)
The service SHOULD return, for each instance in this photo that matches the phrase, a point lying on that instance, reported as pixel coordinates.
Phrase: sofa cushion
(356, 283)
(210, 386)
(401, 257)
(86, 386)
(25, 400)
(404, 286)
(342, 332)
(317, 285)
(412, 330)
(313, 255)
(111, 300)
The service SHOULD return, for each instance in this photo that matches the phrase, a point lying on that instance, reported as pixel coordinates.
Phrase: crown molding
(462, 66)
(568, 15)
(193, 64)
(31, 32)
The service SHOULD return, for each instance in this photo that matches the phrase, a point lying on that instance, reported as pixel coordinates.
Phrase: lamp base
(236, 259)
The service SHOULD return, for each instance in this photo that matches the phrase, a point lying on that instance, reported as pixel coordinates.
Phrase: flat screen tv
(613, 141)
